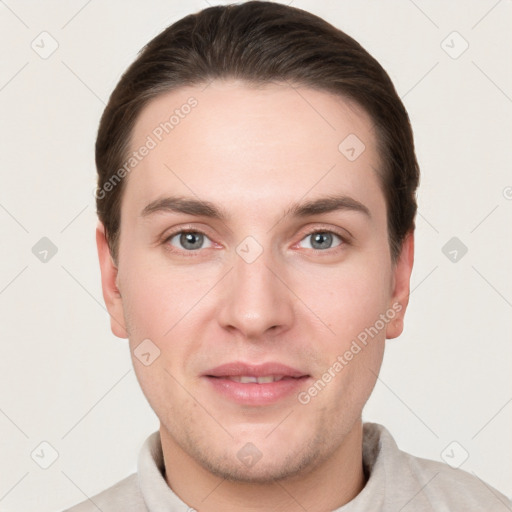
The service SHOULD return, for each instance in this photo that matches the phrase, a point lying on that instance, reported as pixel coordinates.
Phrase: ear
(111, 294)
(401, 286)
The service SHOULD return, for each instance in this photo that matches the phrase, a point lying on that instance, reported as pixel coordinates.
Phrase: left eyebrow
(200, 208)
(326, 205)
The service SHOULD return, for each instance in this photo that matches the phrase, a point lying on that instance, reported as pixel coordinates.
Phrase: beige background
(68, 381)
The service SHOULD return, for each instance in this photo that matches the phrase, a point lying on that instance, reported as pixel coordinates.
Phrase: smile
(255, 385)
(248, 379)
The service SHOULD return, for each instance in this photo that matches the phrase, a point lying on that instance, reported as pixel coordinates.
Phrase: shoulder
(453, 487)
(427, 484)
(123, 496)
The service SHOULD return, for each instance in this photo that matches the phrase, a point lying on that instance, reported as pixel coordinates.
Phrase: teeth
(266, 379)
(247, 379)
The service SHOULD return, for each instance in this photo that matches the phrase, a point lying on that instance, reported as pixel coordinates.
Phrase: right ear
(111, 294)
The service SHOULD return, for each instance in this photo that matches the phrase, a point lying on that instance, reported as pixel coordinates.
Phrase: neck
(329, 485)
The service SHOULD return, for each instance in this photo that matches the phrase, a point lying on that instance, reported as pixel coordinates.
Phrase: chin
(249, 465)
(261, 472)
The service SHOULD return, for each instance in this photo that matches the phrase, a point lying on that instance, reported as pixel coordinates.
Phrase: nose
(256, 301)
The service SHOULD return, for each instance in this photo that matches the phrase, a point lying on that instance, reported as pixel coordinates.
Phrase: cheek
(147, 306)
(349, 298)
(156, 297)
(166, 307)
(353, 356)
(158, 308)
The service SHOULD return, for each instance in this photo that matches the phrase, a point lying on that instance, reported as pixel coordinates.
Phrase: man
(256, 197)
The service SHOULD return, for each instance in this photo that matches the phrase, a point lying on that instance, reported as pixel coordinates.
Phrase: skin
(253, 152)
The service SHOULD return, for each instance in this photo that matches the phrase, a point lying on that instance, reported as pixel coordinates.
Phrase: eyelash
(195, 253)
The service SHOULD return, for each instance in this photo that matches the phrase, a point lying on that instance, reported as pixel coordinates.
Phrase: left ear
(401, 286)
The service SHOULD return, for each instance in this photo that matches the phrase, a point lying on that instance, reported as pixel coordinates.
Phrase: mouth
(249, 379)
(249, 384)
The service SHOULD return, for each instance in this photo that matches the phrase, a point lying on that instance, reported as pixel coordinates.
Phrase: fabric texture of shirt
(397, 482)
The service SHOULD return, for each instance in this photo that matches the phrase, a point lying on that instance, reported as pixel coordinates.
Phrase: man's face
(268, 290)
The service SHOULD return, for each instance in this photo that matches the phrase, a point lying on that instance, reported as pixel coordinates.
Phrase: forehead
(244, 145)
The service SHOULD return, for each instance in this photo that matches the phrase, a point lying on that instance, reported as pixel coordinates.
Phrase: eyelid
(169, 235)
(182, 229)
(344, 234)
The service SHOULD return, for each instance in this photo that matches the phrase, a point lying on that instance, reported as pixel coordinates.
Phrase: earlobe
(111, 293)
(401, 286)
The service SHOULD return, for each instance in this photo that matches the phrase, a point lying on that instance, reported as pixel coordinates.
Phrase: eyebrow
(200, 208)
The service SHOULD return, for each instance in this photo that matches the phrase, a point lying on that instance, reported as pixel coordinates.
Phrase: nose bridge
(255, 300)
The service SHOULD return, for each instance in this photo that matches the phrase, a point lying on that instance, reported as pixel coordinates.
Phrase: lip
(253, 393)
(254, 370)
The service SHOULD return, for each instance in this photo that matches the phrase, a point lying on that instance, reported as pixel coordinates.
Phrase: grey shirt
(397, 482)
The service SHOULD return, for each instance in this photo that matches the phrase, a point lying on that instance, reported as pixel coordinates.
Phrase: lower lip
(257, 394)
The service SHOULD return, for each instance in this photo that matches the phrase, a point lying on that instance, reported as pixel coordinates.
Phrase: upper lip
(254, 370)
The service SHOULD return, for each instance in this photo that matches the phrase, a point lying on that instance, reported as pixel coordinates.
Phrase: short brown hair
(260, 42)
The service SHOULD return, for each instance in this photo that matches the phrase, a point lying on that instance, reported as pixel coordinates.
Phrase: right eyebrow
(185, 205)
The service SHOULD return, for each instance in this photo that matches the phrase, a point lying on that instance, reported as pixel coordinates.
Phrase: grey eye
(189, 240)
(321, 240)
